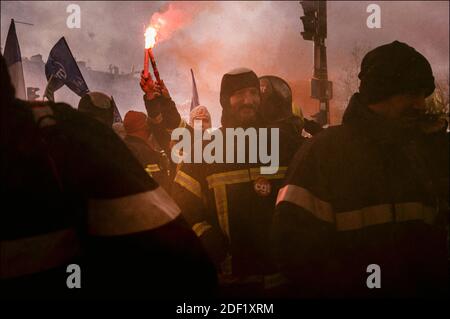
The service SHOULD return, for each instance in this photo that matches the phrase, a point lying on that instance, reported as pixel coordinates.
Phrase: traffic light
(322, 19)
(31, 93)
(310, 19)
(321, 89)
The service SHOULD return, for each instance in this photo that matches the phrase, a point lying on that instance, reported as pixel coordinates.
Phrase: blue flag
(61, 68)
(194, 100)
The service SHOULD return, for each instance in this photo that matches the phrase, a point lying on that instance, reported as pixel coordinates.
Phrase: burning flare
(150, 37)
(150, 40)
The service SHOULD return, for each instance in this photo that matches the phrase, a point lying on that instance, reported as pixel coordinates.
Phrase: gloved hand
(150, 88)
(153, 89)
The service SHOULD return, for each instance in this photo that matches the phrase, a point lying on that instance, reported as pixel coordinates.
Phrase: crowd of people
(109, 197)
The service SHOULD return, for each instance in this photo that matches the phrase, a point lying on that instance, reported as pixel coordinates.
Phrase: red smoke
(173, 17)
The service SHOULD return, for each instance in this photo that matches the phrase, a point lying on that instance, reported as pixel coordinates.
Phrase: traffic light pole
(321, 69)
(321, 73)
(315, 29)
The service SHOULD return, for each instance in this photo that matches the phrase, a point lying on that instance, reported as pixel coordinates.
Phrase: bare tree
(437, 104)
(348, 82)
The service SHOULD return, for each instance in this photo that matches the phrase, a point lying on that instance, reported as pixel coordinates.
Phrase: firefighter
(162, 112)
(77, 197)
(276, 100)
(230, 205)
(163, 116)
(138, 140)
(361, 198)
(99, 106)
(276, 109)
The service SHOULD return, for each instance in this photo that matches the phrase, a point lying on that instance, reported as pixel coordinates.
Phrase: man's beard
(246, 121)
(411, 119)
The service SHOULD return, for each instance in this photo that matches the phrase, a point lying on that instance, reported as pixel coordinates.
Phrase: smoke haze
(215, 37)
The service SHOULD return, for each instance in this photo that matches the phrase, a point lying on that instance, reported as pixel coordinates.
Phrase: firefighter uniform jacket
(161, 132)
(230, 207)
(171, 119)
(156, 164)
(75, 194)
(365, 193)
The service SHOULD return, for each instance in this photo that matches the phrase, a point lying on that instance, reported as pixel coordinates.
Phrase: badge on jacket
(262, 186)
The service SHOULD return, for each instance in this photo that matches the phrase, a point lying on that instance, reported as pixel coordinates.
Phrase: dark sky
(214, 37)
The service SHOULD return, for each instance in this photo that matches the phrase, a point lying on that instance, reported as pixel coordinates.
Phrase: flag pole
(23, 22)
(46, 88)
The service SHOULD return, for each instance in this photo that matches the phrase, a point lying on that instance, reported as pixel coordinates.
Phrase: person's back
(76, 195)
(363, 195)
(368, 207)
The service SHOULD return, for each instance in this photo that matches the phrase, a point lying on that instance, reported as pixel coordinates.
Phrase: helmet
(276, 99)
(99, 106)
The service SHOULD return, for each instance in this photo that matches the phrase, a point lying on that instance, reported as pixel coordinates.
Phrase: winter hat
(394, 68)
